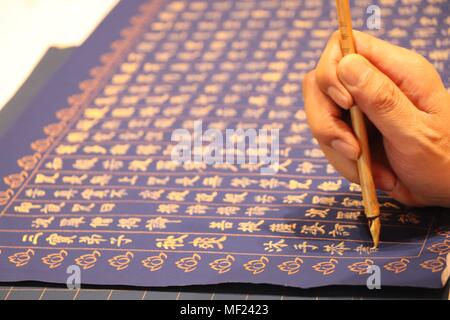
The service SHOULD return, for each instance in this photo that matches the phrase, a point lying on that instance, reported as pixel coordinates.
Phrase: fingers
(345, 166)
(403, 195)
(383, 175)
(324, 119)
(379, 98)
(414, 75)
(336, 138)
(327, 78)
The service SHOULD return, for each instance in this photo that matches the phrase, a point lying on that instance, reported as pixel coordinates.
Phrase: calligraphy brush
(370, 201)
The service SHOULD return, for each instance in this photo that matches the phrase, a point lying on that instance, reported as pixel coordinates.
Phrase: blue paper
(89, 185)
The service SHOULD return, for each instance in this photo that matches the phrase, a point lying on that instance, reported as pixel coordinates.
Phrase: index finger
(326, 73)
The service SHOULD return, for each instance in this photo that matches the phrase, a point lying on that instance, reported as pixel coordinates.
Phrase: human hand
(404, 98)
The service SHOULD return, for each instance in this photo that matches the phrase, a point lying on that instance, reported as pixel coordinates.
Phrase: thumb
(378, 97)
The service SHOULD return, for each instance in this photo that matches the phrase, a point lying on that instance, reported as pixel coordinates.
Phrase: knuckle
(323, 131)
(345, 167)
(433, 140)
(352, 176)
(323, 75)
(385, 97)
(335, 36)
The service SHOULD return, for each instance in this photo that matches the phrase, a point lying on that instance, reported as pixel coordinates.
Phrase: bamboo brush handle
(370, 201)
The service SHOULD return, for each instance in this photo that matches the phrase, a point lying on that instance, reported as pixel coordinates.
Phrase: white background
(29, 27)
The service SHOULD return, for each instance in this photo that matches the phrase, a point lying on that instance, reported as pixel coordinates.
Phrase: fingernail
(345, 149)
(339, 97)
(354, 70)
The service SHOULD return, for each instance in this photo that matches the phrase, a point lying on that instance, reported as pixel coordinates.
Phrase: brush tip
(375, 228)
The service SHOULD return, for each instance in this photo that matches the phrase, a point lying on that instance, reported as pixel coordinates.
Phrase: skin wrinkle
(329, 133)
(410, 89)
(387, 98)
